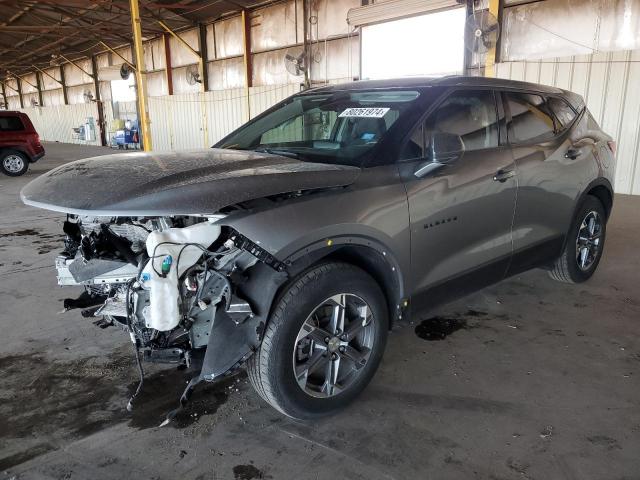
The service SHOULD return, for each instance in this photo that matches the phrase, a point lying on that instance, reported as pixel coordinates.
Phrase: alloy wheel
(13, 163)
(589, 240)
(333, 345)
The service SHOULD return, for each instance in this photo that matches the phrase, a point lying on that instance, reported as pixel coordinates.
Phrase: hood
(197, 182)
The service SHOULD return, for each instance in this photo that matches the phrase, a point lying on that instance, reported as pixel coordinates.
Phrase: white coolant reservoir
(163, 297)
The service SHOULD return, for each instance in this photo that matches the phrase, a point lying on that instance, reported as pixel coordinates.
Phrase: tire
(570, 267)
(272, 368)
(13, 163)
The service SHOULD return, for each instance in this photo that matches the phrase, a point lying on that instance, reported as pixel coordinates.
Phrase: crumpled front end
(186, 289)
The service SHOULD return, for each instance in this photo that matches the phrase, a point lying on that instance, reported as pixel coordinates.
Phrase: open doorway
(430, 44)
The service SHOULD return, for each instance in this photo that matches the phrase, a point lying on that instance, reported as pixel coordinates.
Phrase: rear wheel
(13, 163)
(324, 342)
(585, 244)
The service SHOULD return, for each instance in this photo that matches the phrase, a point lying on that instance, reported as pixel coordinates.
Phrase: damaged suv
(300, 239)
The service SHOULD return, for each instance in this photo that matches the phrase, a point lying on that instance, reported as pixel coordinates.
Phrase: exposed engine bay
(183, 288)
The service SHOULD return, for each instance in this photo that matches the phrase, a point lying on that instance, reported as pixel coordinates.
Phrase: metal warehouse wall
(609, 84)
(55, 123)
(197, 120)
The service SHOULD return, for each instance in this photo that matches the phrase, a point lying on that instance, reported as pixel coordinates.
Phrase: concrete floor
(538, 380)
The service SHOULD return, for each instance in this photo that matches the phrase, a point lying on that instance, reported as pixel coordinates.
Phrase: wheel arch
(601, 189)
(15, 148)
(362, 252)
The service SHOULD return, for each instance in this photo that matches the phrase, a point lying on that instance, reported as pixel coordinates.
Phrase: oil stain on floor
(68, 400)
(44, 242)
(440, 327)
(247, 472)
(161, 394)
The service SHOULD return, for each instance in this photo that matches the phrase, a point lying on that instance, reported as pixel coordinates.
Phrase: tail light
(612, 146)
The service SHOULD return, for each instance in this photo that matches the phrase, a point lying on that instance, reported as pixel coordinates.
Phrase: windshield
(336, 127)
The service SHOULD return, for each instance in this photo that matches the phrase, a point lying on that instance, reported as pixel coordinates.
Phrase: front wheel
(13, 163)
(584, 245)
(323, 343)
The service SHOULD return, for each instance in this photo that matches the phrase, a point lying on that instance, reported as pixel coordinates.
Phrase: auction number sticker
(365, 112)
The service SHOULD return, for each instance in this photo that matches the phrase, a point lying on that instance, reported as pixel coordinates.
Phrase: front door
(461, 188)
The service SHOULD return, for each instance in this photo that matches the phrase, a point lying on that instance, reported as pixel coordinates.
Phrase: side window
(530, 117)
(465, 121)
(469, 115)
(562, 110)
(10, 124)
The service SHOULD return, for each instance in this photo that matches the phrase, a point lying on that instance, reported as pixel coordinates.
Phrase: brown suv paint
(19, 143)
(334, 214)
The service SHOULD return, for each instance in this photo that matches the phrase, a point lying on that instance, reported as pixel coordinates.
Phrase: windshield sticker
(365, 112)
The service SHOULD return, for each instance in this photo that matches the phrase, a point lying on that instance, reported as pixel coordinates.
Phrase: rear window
(530, 117)
(10, 124)
(561, 109)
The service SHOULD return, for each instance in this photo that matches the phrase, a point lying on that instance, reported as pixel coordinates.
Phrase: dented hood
(197, 182)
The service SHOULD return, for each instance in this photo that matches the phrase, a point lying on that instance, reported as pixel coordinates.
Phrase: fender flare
(598, 182)
(365, 252)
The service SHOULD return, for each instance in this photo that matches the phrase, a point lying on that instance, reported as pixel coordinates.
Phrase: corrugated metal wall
(56, 123)
(609, 84)
(197, 120)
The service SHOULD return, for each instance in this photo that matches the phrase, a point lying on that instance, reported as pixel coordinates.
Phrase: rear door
(12, 130)
(550, 167)
(461, 196)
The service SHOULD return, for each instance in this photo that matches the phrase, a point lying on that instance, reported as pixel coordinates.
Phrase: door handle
(573, 153)
(503, 175)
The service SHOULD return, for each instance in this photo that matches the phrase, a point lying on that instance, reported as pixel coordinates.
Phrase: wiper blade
(275, 151)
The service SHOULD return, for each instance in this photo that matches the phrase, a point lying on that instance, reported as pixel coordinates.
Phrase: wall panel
(49, 83)
(199, 120)
(273, 26)
(181, 55)
(56, 123)
(226, 73)
(229, 40)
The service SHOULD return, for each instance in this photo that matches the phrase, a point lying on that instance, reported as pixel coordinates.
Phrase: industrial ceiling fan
(295, 61)
(481, 31)
(193, 75)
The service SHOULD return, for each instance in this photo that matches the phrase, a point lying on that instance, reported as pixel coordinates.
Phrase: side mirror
(445, 147)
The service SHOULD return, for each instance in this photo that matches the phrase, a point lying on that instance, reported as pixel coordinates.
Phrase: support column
(63, 82)
(4, 97)
(141, 83)
(468, 56)
(167, 62)
(202, 29)
(39, 85)
(96, 85)
(490, 59)
(306, 37)
(19, 83)
(248, 73)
